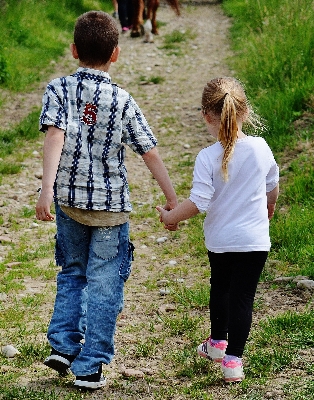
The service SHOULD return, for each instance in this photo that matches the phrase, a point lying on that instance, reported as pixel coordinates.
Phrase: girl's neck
(241, 135)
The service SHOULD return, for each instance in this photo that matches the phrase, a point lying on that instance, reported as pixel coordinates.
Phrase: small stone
(161, 239)
(134, 373)
(186, 146)
(147, 371)
(3, 296)
(300, 278)
(283, 279)
(306, 284)
(13, 264)
(172, 262)
(9, 351)
(179, 280)
(121, 323)
(38, 175)
(167, 307)
(5, 239)
(162, 282)
(164, 292)
(6, 368)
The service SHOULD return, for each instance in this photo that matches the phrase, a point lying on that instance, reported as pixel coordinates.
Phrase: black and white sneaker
(93, 381)
(59, 362)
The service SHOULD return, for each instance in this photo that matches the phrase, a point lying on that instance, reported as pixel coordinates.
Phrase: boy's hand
(43, 206)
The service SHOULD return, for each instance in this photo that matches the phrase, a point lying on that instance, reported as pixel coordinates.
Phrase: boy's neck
(103, 68)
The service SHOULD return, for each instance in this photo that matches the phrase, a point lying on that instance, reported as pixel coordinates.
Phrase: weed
(153, 79)
(275, 345)
(21, 393)
(173, 41)
(196, 297)
(181, 325)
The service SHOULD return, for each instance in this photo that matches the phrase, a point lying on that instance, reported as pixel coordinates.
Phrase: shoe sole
(200, 353)
(234, 380)
(90, 385)
(55, 362)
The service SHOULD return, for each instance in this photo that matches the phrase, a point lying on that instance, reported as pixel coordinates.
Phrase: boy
(87, 120)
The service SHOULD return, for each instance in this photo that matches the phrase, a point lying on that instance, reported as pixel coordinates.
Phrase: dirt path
(172, 109)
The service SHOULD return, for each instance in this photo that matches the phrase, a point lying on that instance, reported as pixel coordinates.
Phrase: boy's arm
(272, 197)
(53, 145)
(156, 166)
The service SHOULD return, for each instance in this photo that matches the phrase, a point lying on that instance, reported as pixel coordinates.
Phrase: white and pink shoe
(232, 368)
(212, 350)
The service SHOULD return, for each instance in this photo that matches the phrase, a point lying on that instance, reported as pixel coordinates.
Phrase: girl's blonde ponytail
(228, 132)
(225, 99)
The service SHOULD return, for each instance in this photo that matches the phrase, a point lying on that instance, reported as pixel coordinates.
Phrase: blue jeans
(96, 262)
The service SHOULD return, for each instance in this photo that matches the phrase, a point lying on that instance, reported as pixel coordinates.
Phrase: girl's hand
(271, 210)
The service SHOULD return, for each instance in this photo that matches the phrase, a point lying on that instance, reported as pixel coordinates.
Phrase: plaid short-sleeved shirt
(98, 118)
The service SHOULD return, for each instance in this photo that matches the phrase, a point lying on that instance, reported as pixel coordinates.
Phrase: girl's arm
(53, 145)
(185, 210)
(272, 197)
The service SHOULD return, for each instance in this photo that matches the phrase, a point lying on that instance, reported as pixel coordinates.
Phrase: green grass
(292, 240)
(21, 393)
(15, 138)
(174, 40)
(276, 344)
(155, 79)
(35, 32)
(274, 42)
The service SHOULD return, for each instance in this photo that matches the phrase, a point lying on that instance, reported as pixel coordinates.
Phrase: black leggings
(234, 279)
(125, 11)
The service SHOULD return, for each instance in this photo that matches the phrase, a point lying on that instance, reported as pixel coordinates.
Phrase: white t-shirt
(237, 217)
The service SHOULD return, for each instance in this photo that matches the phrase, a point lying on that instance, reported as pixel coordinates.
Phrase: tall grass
(274, 43)
(274, 47)
(264, 354)
(292, 240)
(33, 33)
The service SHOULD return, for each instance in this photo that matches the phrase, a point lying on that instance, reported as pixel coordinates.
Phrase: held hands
(165, 218)
(43, 206)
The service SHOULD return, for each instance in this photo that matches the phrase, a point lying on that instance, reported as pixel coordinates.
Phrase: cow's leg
(138, 9)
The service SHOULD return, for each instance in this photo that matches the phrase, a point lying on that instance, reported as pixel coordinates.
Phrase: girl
(236, 183)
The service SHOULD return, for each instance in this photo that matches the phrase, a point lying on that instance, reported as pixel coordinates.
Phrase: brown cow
(147, 9)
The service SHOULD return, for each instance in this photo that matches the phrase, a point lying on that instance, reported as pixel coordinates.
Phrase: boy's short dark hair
(96, 36)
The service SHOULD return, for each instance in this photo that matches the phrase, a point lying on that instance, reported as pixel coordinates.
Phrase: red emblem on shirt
(90, 114)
